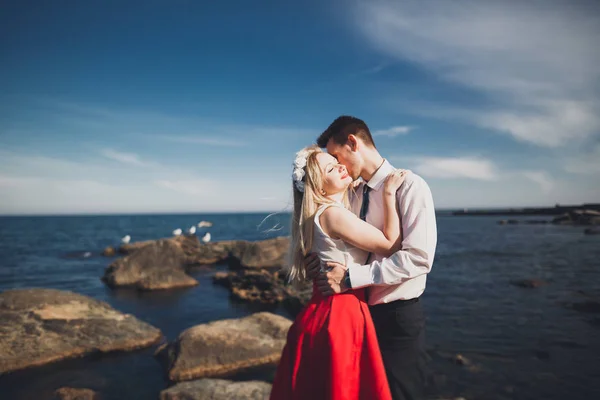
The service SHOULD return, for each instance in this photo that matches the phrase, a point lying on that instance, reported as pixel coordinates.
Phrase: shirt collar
(379, 176)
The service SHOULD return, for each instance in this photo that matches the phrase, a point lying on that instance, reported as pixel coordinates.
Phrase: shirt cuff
(360, 276)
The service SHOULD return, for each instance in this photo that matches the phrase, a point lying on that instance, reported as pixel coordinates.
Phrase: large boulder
(160, 264)
(224, 348)
(254, 286)
(39, 326)
(578, 217)
(270, 253)
(217, 389)
(69, 393)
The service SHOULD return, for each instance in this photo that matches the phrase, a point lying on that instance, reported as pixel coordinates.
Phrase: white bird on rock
(206, 238)
(203, 224)
(126, 239)
(192, 230)
(177, 232)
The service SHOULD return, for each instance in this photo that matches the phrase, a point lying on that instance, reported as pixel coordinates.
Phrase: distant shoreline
(556, 210)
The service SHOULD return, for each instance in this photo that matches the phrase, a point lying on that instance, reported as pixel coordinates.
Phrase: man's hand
(332, 281)
(313, 265)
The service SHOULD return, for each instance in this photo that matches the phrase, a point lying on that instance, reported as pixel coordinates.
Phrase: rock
(39, 326)
(591, 231)
(68, 393)
(223, 348)
(129, 248)
(109, 252)
(462, 360)
(508, 221)
(217, 389)
(157, 265)
(528, 283)
(537, 222)
(255, 286)
(271, 253)
(578, 217)
(296, 300)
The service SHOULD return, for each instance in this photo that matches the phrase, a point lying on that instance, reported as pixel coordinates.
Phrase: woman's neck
(337, 197)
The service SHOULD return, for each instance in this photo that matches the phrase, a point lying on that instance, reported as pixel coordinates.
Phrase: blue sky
(191, 106)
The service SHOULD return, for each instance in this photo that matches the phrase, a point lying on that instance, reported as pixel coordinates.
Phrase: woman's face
(335, 176)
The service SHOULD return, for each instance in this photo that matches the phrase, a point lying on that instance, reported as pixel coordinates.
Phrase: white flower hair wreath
(299, 173)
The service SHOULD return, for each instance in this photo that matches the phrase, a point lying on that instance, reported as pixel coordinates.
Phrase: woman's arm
(342, 224)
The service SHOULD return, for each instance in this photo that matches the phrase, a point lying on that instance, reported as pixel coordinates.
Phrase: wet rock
(592, 231)
(217, 389)
(226, 347)
(297, 299)
(68, 393)
(157, 265)
(528, 283)
(271, 253)
(461, 360)
(129, 248)
(255, 286)
(39, 326)
(109, 252)
(578, 217)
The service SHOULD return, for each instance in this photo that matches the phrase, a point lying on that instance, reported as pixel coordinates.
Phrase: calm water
(523, 343)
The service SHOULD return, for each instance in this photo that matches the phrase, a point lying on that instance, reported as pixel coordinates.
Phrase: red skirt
(332, 353)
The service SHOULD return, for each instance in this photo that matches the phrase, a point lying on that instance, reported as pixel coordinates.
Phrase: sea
(514, 342)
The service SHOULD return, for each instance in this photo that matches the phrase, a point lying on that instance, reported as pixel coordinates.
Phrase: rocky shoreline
(42, 326)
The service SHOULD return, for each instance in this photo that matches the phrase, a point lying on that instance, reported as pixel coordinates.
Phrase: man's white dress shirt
(404, 274)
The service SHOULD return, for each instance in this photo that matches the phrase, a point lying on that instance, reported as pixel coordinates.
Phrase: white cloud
(453, 167)
(535, 61)
(586, 162)
(542, 178)
(125, 158)
(199, 139)
(196, 187)
(393, 131)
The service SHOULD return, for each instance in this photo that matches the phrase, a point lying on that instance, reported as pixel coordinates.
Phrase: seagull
(177, 232)
(192, 230)
(206, 238)
(126, 239)
(202, 224)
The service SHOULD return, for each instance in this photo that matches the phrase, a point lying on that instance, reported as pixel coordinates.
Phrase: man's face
(344, 154)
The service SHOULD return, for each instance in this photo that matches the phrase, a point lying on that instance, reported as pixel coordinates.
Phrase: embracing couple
(368, 248)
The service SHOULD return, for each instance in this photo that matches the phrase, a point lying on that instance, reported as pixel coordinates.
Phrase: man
(395, 284)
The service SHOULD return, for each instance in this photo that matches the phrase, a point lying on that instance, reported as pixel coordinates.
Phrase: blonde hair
(306, 204)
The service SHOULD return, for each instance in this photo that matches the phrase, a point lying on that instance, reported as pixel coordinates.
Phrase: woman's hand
(394, 180)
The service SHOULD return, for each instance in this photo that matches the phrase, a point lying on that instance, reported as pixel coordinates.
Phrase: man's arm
(418, 244)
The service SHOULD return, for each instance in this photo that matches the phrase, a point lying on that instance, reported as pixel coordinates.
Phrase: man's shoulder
(413, 180)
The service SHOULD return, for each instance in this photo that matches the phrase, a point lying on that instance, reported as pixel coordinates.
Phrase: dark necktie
(364, 208)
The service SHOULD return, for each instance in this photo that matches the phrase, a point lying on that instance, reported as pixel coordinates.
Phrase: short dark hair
(342, 127)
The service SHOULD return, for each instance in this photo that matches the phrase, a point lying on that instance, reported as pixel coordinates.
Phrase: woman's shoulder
(333, 212)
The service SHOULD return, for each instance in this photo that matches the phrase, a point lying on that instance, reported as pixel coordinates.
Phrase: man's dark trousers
(400, 327)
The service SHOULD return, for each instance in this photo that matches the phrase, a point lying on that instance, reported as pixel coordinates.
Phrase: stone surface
(578, 217)
(217, 389)
(226, 347)
(109, 252)
(271, 253)
(68, 393)
(39, 326)
(297, 299)
(255, 286)
(160, 264)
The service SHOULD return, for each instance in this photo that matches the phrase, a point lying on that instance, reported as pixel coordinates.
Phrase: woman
(331, 350)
